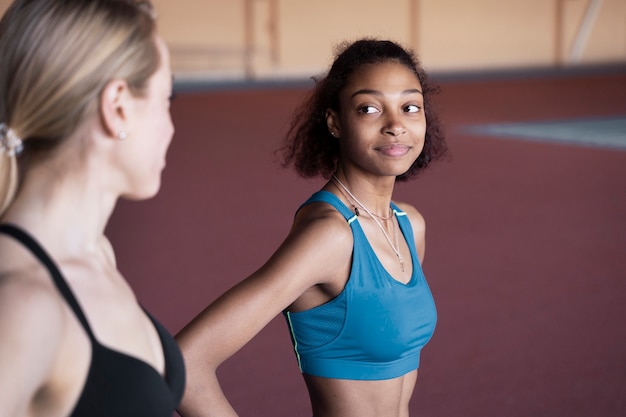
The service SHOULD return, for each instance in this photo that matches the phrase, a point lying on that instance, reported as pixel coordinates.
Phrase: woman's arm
(315, 249)
(31, 331)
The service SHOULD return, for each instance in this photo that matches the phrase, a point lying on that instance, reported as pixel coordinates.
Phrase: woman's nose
(393, 126)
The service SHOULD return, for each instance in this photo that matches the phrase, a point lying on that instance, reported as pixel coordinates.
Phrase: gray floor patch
(609, 132)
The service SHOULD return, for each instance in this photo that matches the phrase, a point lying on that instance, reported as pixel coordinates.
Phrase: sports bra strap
(333, 200)
(36, 249)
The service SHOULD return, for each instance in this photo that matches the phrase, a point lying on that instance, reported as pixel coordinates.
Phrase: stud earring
(121, 135)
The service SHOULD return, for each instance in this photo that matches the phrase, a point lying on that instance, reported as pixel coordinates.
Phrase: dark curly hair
(311, 148)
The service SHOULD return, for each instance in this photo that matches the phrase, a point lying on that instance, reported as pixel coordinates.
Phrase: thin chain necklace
(396, 248)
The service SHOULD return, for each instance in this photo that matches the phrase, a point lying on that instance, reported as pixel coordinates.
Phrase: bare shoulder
(323, 239)
(29, 309)
(417, 219)
(25, 284)
(323, 220)
(32, 323)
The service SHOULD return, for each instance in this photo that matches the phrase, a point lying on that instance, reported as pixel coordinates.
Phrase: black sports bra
(117, 384)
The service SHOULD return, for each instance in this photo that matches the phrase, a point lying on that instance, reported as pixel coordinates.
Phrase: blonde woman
(84, 120)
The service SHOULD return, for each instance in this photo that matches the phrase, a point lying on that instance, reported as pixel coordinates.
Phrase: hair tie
(10, 143)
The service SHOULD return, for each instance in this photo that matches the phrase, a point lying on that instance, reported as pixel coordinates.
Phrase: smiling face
(381, 124)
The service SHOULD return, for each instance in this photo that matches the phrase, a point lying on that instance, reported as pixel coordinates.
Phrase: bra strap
(330, 198)
(29, 242)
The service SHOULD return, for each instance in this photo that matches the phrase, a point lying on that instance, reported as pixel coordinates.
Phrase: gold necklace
(396, 248)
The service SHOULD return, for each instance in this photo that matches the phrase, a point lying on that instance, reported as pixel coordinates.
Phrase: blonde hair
(57, 56)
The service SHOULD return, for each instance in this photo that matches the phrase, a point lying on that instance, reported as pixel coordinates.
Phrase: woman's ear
(332, 122)
(114, 107)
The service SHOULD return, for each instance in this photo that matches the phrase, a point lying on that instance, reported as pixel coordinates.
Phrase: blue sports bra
(376, 327)
(117, 384)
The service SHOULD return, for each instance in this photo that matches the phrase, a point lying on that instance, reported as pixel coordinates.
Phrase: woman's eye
(412, 108)
(368, 109)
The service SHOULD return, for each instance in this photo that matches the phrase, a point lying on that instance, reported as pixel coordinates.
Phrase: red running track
(526, 247)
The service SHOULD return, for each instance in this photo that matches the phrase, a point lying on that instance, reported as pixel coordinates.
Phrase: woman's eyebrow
(379, 93)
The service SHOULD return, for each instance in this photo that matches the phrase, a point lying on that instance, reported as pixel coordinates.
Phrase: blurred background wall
(288, 38)
(269, 39)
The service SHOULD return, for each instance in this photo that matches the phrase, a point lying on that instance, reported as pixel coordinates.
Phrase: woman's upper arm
(309, 254)
(318, 243)
(31, 328)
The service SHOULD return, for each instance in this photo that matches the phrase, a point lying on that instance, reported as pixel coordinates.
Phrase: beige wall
(486, 33)
(449, 35)
(208, 37)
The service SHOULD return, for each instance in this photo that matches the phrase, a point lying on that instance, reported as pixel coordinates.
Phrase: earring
(121, 135)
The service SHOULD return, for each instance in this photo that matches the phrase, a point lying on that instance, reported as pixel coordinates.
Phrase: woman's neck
(375, 193)
(67, 212)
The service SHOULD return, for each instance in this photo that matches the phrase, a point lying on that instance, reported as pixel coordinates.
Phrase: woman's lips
(394, 150)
